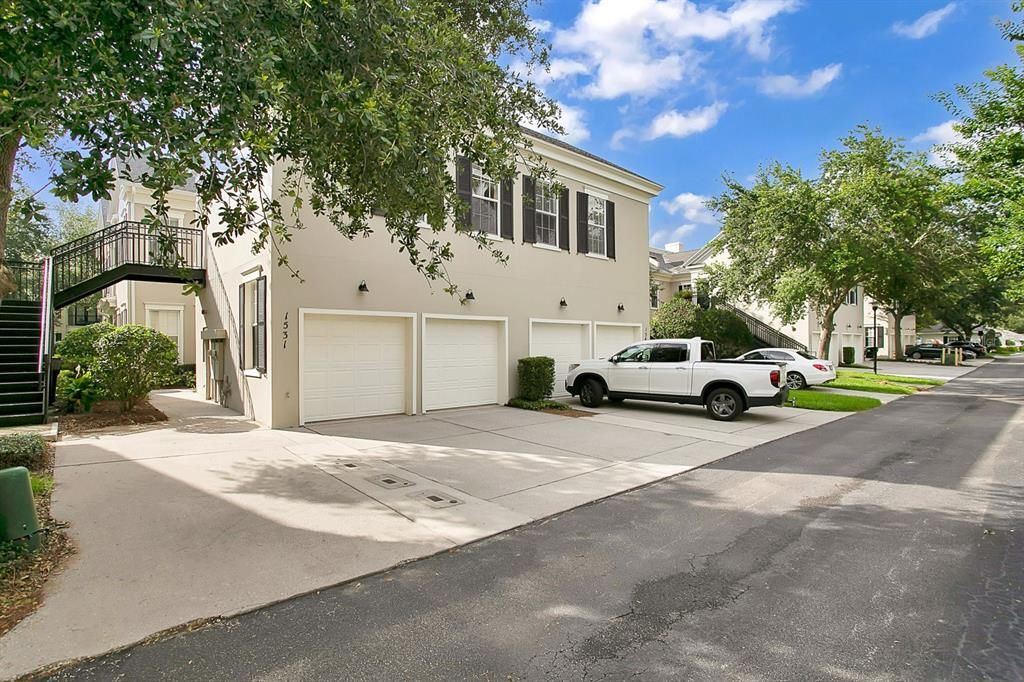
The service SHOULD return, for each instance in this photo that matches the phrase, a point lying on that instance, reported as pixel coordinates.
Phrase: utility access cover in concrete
(390, 481)
(436, 498)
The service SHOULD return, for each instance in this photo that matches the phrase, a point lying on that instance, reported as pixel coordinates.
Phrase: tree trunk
(897, 316)
(826, 334)
(8, 153)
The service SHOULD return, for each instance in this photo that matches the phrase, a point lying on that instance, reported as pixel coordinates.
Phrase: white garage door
(460, 363)
(565, 342)
(353, 366)
(611, 338)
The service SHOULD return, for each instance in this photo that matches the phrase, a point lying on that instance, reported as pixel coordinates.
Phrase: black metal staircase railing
(28, 281)
(764, 333)
(126, 250)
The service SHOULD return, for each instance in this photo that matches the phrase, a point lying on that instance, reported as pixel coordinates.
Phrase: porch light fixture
(470, 296)
(621, 307)
(562, 303)
(363, 288)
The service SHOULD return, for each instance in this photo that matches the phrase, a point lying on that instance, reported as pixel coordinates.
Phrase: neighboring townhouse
(160, 305)
(674, 269)
(365, 334)
(885, 336)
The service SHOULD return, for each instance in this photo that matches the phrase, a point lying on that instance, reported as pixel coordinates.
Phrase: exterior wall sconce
(621, 307)
(363, 288)
(470, 296)
(562, 303)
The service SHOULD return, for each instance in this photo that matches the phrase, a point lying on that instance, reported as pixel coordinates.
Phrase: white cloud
(691, 207)
(574, 122)
(925, 25)
(937, 136)
(679, 234)
(541, 25)
(683, 124)
(558, 69)
(793, 86)
(674, 123)
(643, 47)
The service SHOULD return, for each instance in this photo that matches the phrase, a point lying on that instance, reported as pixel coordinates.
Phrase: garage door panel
(613, 338)
(566, 343)
(353, 366)
(460, 363)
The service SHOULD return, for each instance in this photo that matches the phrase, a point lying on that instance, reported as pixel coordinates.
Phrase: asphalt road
(888, 545)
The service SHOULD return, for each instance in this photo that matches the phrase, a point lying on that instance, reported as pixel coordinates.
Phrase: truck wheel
(591, 393)
(916, 355)
(795, 381)
(724, 404)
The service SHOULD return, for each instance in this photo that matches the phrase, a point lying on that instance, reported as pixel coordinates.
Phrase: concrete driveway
(208, 514)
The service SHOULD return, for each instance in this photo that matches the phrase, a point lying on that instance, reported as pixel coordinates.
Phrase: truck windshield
(707, 350)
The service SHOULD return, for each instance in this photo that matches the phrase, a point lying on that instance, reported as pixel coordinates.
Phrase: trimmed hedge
(850, 355)
(536, 377)
(22, 450)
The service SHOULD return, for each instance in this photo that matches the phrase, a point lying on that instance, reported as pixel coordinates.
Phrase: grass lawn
(832, 402)
(882, 383)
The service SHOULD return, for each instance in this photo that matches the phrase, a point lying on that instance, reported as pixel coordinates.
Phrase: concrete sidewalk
(208, 514)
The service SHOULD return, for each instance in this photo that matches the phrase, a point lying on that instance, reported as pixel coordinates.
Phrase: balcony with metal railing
(128, 250)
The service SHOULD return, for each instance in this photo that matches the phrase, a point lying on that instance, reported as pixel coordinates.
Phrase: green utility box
(17, 508)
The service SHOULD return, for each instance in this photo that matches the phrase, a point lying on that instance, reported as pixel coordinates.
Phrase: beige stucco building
(364, 333)
(163, 306)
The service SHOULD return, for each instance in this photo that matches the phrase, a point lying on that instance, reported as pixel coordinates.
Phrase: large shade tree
(368, 102)
(989, 158)
(796, 242)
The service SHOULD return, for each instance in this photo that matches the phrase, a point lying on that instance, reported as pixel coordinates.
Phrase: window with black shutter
(529, 214)
(609, 221)
(464, 189)
(252, 325)
(582, 208)
(563, 219)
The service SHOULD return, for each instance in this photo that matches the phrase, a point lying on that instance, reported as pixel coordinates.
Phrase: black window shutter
(529, 217)
(563, 219)
(260, 332)
(507, 229)
(609, 221)
(582, 216)
(241, 325)
(464, 188)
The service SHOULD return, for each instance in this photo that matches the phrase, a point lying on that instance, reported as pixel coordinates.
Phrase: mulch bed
(107, 413)
(568, 412)
(21, 587)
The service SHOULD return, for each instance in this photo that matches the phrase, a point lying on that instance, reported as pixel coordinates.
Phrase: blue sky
(682, 92)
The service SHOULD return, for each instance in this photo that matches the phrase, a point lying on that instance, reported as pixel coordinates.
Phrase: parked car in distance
(802, 368)
(681, 371)
(975, 348)
(932, 351)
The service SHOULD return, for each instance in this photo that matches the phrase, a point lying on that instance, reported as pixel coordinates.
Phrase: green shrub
(680, 318)
(537, 404)
(133, 360)
(536, 377)
(22, 450)
(1010, 343)
(78, 391)
(78, 347)
(850, 355)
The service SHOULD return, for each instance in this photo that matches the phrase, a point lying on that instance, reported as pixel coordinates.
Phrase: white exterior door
(167, 320)
(565, 342)
(354, 366)
(461, 361)
(611, 338)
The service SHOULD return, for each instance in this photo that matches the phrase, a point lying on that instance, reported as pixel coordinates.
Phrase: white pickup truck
(680, 371)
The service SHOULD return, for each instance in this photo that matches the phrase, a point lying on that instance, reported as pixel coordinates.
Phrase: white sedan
(802, 368)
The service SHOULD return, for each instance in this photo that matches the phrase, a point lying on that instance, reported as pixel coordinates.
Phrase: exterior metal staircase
(124, 251)
(766, 335)
(24, 335)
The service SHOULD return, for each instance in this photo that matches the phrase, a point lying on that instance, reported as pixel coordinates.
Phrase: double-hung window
(252, 325)
(546, 212)
(484, 202)
(597, 230)
(851, 297)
